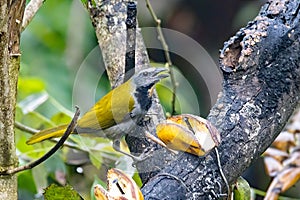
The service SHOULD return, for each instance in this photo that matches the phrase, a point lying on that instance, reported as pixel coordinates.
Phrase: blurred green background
(60, 41)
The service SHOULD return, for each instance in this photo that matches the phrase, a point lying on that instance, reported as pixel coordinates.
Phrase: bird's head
(146, 78)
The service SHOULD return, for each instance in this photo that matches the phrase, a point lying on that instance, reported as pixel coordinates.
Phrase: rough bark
(261, 72)
(260, 65)
(11, 14)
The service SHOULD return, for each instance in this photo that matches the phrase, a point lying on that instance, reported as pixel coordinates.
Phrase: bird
(116, 113)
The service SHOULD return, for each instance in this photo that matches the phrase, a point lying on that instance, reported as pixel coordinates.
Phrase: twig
(33, 164)
(166, 51)
(130, 41)
(176, 178)
(25, 128)
(31, 9)
(222, 174)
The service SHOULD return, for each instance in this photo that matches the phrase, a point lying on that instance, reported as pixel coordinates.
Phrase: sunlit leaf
(92, 143)
(22, 147)
(35, 121)
(136, 177)
(29, 85)
(241, 189)
(61, 192)
(33, 101)
(96, 158)
(61, 118)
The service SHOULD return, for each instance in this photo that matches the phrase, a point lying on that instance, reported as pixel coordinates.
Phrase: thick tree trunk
(261, 84)
(11, 15)
(261, 87)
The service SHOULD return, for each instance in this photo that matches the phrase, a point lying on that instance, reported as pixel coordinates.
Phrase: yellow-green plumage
(115, 108)
(117, 112)
(108, 111)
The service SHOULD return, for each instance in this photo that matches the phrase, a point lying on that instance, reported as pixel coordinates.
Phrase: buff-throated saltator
(117, 113)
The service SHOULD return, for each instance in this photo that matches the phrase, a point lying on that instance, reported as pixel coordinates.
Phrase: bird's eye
(145, 73)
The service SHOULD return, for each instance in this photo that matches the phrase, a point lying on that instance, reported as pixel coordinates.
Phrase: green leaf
(61, 192)
(33, 101)
(60, 107)
(136, 177)
(29, 85)
(84, 2)
(96, 158)
(61, 118)
(19, 113)
(241, 189)
(39, 175)
(92, 143)
(55, 163)
(37, 121)
(26, 182)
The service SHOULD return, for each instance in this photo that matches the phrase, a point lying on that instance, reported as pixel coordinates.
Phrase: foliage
(53, 49)
(56, 192)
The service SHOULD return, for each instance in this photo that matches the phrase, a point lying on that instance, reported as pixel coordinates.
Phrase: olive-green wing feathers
(109, 110)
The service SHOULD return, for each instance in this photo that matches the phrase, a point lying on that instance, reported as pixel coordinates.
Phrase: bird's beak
(157, 73)
(158, 76)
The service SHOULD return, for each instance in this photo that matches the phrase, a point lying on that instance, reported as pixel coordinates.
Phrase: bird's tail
(47, 134)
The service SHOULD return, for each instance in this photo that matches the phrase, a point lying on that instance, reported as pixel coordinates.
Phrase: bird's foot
(143, 156)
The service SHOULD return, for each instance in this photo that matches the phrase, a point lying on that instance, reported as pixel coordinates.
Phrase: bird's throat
(144, 97)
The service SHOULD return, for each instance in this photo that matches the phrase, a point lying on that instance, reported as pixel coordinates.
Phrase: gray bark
(261, 72)
(11, 15)
(260, 65)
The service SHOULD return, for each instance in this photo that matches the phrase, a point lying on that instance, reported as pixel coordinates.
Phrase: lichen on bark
(11, 15)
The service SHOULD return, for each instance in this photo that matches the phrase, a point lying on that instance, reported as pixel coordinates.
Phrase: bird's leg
(143, 156)
(158, 141)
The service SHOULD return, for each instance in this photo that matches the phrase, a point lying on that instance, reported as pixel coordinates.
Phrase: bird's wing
(109, 110)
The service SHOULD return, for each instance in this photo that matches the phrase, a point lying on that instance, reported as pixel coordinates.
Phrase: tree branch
(261, 86)
(164, 44)
(260, 65)
(11, 14)
(30, 11)
(108, 18)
